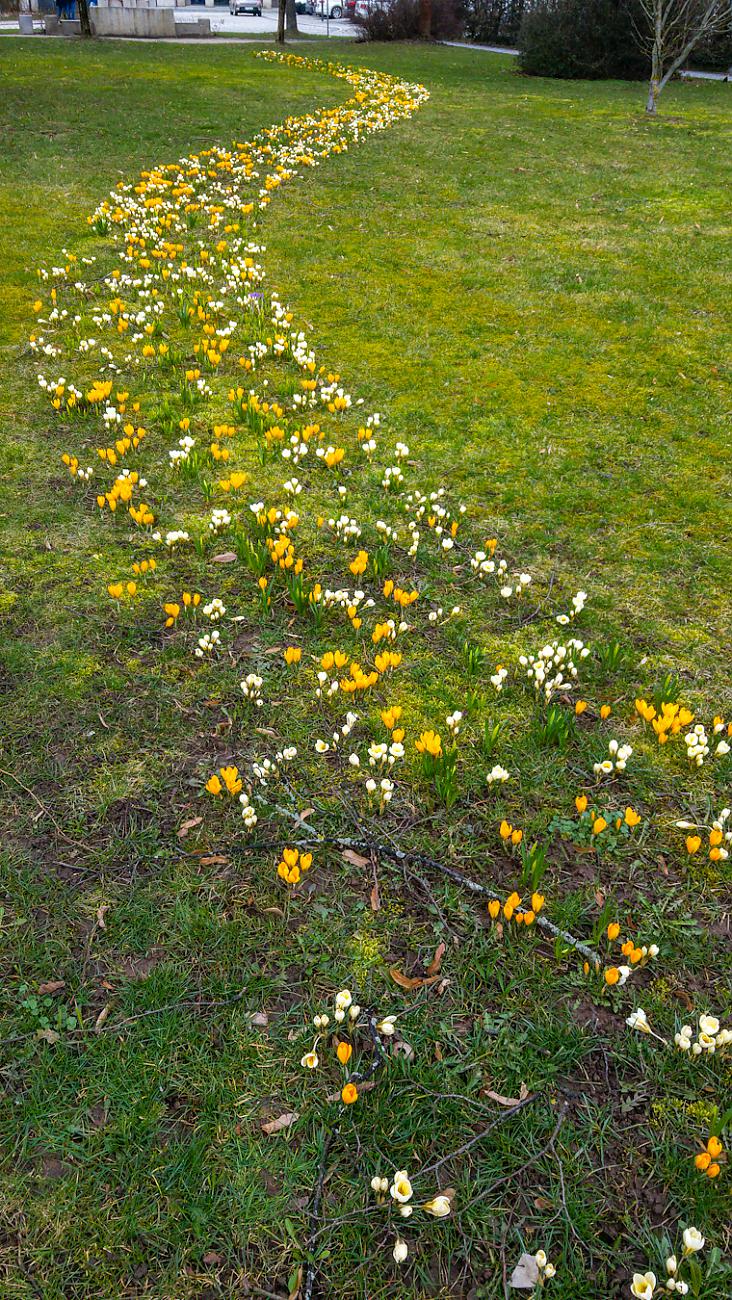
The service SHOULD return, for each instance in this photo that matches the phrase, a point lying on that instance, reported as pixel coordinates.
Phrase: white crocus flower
(439, 1207)
(709, 1025)
(639, 1020)
(643, 1285)
(386, 1026)
(401, 1188)
(693, 1241)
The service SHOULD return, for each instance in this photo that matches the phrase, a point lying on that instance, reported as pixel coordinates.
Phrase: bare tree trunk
(425, 19)
(282, 5)
(291, 18)
(84, 21)
(654, 88)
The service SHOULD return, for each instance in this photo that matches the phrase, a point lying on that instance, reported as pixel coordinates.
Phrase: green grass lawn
(530, 282)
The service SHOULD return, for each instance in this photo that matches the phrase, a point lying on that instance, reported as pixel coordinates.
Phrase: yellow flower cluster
(669, 722)
(227, 778)
(513, 909)
(292, 864)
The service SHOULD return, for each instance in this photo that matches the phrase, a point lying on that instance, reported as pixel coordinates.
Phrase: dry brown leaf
(277, 910)
(355, 859)
(101, 913)
(436, 963)
(684, 998)
(52, 986)
(404, 1048)
(306, 812)
(542, 1203)
(506, 1101)
(525, 1275)
(362, 1087)
(438, 1053)
(211, 1259)
(48, 1035)
(188, 826)
(283, 1121)
(410, 982)
(226, 557)
(295, 1292)
(375, 898)
(599, 898)
(260, 1019)
(215, 860)
(99, 1022)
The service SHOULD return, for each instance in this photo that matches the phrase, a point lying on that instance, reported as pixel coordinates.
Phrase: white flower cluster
(435, 615)
(207, 643)
(180, 454)
(325, 746)
(249, 817)
(381, 754)
(498, 677)
(251, 689)
(643, 1285)
(697, 745)
(215, 609)
(268, 769)
(401, 1192)
(578, 603)
(220, 519)
(710, 1038)
(498, 775)
(553, 668)
(617, 762)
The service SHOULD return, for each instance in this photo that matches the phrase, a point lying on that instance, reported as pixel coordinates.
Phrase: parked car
(246, 7)
(330, 8)
(305, 6)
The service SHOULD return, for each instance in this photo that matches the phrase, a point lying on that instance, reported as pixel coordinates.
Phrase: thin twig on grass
(478, 1137)
(27, 790)
(140, 1015)
(516, 1173)
(378, 1058)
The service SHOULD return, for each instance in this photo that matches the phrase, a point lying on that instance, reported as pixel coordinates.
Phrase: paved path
(505, 49)
(223, 21)
(492, 49)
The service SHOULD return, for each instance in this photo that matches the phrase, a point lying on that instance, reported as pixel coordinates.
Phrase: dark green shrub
(581, 39)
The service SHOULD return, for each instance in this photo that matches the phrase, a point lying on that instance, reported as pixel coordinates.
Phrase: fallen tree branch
(412, 855)
(311, 1271)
